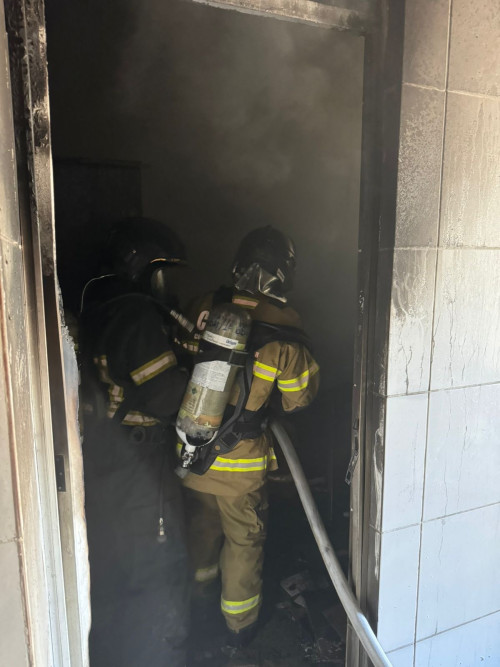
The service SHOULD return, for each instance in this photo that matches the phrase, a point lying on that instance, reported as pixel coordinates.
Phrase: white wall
(436, 516)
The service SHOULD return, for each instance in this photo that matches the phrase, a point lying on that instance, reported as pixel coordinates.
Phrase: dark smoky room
(182, 134)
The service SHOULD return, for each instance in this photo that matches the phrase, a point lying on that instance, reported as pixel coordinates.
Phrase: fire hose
(351, 606)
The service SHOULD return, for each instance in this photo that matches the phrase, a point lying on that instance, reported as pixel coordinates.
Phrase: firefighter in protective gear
(137, 549)
(227, 505)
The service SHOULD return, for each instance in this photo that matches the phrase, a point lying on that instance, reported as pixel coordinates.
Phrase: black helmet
(140, 249)
(271, 251)
(136, 243)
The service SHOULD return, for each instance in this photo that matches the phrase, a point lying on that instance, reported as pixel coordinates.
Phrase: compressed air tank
(208, 391)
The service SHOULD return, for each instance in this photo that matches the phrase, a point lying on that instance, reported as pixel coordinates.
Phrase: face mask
(255, 280)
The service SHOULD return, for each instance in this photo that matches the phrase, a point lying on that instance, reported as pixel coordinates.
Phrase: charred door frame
(383, 32)
(64, 642)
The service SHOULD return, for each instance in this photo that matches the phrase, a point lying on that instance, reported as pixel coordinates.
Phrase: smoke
(238, 121)
(229, 88)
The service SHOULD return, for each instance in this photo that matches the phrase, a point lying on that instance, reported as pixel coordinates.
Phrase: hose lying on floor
(358, 620)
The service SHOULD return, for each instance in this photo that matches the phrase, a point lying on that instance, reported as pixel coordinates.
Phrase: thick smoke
(239, 121)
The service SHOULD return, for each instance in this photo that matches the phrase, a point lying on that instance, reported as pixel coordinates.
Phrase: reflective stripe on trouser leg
(204, 534)
(244, 520)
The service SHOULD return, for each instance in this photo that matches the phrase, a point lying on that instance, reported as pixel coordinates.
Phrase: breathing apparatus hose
(358, 620)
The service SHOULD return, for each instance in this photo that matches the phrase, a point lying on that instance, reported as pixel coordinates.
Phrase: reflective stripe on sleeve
(264, 372)
(153, 367)
(135, 418)
(239, 465)
(239, 606)
(300, 382)
(190, 345)
(245, 301)
(206, 573)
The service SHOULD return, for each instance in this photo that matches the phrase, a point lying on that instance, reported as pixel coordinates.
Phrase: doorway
(215, 123)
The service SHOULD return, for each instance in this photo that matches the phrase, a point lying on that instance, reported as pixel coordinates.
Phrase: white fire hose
(358, 620)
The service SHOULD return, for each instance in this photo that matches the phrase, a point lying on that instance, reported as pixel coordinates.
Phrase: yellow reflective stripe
(266, 368)
(191, 346)
(300, 382)
(178, 449)
(264, 372)
(297, 385)
(239, 606)
(206, 573)
(272, 455)
(115, 392)
(260, 375)
(239, 465)
(221, 458)
(153, 367)
(133, 418)
(294, 380)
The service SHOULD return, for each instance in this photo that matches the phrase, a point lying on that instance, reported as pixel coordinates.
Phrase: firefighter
(226, 504)
(137, 549)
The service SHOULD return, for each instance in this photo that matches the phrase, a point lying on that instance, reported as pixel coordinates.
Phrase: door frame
(379, 22)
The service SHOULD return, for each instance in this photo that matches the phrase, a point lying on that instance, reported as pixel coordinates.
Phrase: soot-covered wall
(239, 121)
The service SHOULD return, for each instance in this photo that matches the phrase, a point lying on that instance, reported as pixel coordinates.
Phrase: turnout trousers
(139, 585)
(227, 534)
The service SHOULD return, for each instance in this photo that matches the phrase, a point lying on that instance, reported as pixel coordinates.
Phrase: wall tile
(419, 174)
(13, 642)
(402, 658)
(467, 319)
(405, 434)
(411, 320)
(455, 648)
(471, 172)
(426, 36)
(458, 570)
(463, 450)
(474, 48)
(398, 587)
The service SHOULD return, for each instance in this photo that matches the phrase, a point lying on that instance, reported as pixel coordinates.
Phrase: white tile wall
(405, 433)
(467, 319)
(471, 172)
(463, 450)
(420, 159)
(402, 658)
(426, 33)
(474, 53)
(398, 587)
(475, 644)
(411, 320)
(459, 570)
